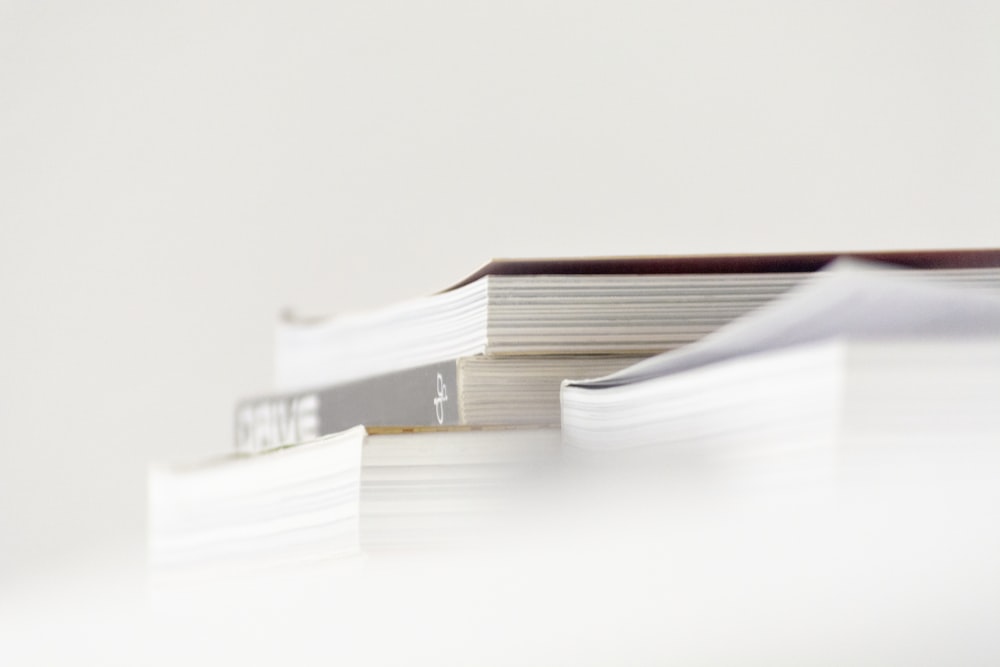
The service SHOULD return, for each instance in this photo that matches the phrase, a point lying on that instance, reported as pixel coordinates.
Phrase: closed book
(470, 392)
(334, 497)
(246, 514)
(588, 306)
(856, 355)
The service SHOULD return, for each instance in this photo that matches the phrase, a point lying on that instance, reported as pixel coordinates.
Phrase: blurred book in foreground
(334, 497)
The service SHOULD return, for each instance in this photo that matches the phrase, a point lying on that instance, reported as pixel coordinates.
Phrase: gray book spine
(424, 397)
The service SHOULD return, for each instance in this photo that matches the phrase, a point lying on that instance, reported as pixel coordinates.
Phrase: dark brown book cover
(705, 264)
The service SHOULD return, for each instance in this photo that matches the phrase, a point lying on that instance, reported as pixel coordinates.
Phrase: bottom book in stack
(337, 496)
(249, 513)
(440, 488)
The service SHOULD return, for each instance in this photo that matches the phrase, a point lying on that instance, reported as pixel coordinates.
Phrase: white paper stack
(246, 514)
(443, 489)
(858, 356)
(519, 315)
(538, 315)
(337, 496)
(524, 391)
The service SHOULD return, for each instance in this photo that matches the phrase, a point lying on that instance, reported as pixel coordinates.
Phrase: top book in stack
(636, 306)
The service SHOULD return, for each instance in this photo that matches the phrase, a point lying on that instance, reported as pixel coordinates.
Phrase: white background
(172, 174)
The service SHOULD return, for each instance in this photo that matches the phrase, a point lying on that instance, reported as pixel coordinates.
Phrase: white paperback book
(245, 514)
(337, 496)
(580, 307)
(859, 355)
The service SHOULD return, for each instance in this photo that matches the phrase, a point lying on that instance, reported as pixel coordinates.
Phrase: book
(588, 306)
(244, 514)
(442, 489)
(470, 392)
(338, 496)
(856, 352)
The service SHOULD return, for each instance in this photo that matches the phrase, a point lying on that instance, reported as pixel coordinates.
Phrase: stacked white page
(245, 514)
(443, 489)
(337, 496)
(855, 348)
(533, 315)
(524, 391)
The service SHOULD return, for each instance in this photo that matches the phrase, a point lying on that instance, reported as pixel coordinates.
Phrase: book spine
(424, 397)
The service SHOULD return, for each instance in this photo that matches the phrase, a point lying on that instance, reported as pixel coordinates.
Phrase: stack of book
(401, 426)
